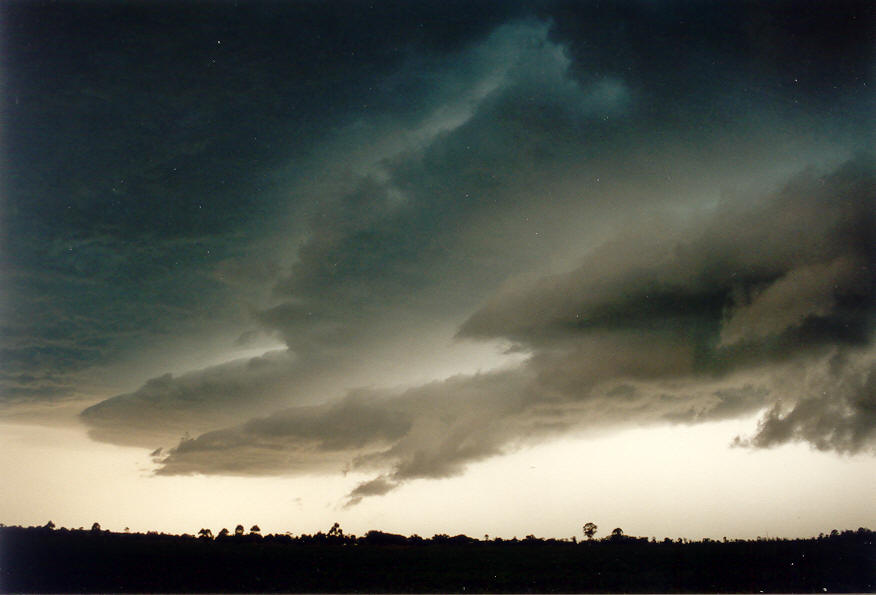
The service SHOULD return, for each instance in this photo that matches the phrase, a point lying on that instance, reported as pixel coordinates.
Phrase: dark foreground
(44, 560)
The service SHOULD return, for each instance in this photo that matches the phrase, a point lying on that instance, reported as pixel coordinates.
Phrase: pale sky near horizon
(690, 486)
(471, 267)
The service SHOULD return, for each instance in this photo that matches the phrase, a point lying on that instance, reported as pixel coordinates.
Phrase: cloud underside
(526, 189)
(521, 147)
(763, 305)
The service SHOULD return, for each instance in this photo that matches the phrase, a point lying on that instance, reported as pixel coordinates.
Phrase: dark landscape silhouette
(51, 559)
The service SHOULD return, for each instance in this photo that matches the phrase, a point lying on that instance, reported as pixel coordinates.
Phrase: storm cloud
(708, 323)
(796, 264)
(400, 239)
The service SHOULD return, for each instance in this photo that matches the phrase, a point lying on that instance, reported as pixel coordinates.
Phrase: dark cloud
(375, 487)
(349, 178)
(727, 403)
(381, 255)
(145, 144)
(301, 439)
(181, 158)
(689, 65)
(87, 301)
(779, 275)
(167, 407)
(194, 106)
(438, 429)
(646, 331)
(402, 217)
(428, 431)
(838, 415)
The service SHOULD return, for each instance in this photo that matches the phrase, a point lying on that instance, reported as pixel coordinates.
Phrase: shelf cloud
(704, 324)
(403, 239)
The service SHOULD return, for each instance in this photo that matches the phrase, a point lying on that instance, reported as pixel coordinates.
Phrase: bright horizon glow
(690, 473)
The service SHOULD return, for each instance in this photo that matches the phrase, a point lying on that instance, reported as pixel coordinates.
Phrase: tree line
(335, 535)
(49, 559)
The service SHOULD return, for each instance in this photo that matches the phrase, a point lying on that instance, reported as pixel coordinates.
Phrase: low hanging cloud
(798, 262)
(379, 257)
(713, 321)
(167, 407)
(298, 439)
(805, 292)
(837, 413)
(378, 486)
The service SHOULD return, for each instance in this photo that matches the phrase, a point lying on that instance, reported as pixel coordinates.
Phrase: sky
(493, 268)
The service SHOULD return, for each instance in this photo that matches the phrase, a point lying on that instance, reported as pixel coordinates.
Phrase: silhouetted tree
(336, 531)
(205, 534)
(222, 533)
(95, 528)
(590, 530)
(255, 530)
(50, 525)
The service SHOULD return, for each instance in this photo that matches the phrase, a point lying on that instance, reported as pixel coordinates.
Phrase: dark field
(45, 560)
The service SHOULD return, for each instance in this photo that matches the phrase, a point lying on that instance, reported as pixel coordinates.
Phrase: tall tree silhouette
(590, 530)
